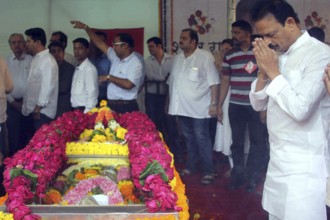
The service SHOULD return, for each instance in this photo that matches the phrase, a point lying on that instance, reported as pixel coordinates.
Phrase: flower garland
(83, 187)
(148, 154)
(147, 151)
(28, 172)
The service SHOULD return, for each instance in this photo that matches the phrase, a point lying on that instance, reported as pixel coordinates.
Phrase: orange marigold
(53, 197)
(80, 176)
(3, 199)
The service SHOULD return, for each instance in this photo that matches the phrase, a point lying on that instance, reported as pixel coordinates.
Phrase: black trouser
(242, 117)
(123, 106)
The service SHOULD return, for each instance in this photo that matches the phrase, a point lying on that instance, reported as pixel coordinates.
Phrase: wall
(53, 15)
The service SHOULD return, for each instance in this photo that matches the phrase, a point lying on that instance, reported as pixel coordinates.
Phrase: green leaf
(152, 168)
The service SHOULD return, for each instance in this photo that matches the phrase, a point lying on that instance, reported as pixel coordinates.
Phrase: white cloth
(223, 138)
(295, 184)
(190, 82)
(129, 68)
(158, 72)
(19, 70)
(42, 85)
(85, 86)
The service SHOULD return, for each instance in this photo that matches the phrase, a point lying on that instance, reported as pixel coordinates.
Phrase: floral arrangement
(28, 171)
(107, 186)
(152, 164)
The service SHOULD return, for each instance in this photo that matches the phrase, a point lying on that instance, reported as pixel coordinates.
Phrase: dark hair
(280, 9)
(55, 44)
(254, 36)
(156, 40)
(243, 25)
(37, 34)
(81, 40)
(317, 32)
(126, 38)
(192, 34)
(101, 33)
(63, 37)
(228, 41)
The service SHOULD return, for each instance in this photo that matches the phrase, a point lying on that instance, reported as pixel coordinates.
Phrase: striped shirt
(241, 66)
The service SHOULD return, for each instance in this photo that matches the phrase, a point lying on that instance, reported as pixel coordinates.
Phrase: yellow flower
(120, 133)
(6, 216)
(99, 138)
(103, 103)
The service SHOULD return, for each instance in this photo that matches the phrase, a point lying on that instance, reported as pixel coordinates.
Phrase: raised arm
(93, 37)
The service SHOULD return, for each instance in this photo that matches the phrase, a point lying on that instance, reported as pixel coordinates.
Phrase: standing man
(125, 75)
(40, 98)
(193, 91)
(65, 76)
(62, 38)
(158, 68)
(102, 64)
(290, 88)
(19, 66)
(6, 86)
(239, 69)
(85, 87)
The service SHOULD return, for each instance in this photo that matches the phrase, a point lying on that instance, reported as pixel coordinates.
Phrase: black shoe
(235, 183)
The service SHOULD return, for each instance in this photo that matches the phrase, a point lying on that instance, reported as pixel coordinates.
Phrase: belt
(19, 100)
(120, 102)
(81, 108)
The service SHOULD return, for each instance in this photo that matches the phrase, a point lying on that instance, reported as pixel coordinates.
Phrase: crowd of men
(274, 80)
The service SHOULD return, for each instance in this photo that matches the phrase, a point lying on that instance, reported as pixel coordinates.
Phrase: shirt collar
(13, 57)
(42, 53)
(83, 64)
(299, 42)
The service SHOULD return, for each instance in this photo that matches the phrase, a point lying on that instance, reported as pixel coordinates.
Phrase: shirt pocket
(79, 87)
(193, 74)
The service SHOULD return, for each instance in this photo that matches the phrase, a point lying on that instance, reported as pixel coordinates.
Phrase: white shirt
(190, 82)
(85, 86)
(129, 68)
(297, 106)
(19, 70)
(158, 72)
(42, 85)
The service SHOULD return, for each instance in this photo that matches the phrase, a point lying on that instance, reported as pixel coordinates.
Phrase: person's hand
(267, 59)
(326, 78)
(16, 105)
(78, 24)
(213, 110)
(103, 78)
(220, 115)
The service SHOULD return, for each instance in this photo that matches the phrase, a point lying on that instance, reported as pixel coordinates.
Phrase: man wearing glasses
(125, 75)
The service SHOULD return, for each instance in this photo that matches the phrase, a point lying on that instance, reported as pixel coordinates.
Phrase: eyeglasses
(117, 43)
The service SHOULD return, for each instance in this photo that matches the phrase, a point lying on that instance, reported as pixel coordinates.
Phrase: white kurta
(295, 185)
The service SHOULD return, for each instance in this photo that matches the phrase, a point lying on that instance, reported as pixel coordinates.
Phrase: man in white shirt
(61, 37)
(193, 91)
(85, 87)
(19, 66)
(126, 74)
(290, 88)
(40, 98)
